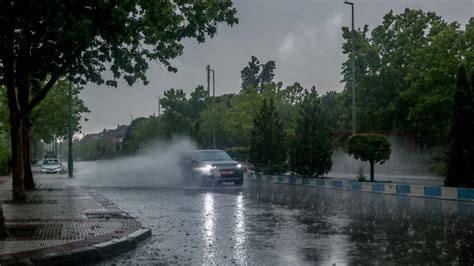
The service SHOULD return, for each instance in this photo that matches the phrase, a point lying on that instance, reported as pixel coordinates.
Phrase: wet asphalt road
(271, 224)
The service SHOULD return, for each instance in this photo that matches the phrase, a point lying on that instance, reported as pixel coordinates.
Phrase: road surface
(265, 224)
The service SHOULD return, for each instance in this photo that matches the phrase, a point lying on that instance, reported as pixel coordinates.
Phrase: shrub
(374, 148)
(360, 175)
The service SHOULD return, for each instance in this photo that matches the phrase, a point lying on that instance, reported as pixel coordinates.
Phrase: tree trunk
(17, 160)
(29, 182)
(3, 228)
(372, 172)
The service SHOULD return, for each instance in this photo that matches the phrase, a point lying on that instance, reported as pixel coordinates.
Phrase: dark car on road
(211, 168)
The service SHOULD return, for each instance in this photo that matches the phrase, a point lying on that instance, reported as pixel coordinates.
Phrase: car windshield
(213, 156)
(50, 162)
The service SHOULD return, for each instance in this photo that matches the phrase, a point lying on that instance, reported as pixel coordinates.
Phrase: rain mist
(156, 166)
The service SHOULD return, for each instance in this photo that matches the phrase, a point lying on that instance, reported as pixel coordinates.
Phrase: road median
(437, 192)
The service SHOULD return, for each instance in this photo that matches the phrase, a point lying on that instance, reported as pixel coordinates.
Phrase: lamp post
(159, 106)
(69, 159)
(209, 70)
(214, 109)
(353, 71)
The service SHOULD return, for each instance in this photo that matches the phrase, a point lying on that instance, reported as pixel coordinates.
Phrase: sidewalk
(62, 224)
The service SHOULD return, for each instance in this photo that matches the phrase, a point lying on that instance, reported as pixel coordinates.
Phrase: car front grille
(225, 165)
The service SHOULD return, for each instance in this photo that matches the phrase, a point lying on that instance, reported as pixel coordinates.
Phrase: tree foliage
(268, 142)
(44, 41)
(461, 155)
(50, 118)
(238, 153)
(332, 107)
(84, 36)
(179, 118)
(405, 71)
(373, 148)
(257, 75)
(311, 149)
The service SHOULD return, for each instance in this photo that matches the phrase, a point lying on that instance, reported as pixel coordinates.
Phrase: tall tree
(432, 79)
(197, 102)
(41, 42)
(131, 143)
(250, 76)
(388, 64)
(257, 75)
(268, 142)
(332, 107)
(50, 117)
(461, 155)
(293, 94)
(311, 149)
(176, 114)
(370, 94)
(266, 74)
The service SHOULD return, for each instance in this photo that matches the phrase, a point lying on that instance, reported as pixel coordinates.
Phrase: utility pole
(159, 106)
(354, 127)
(69, 159)
(213, 109)
(208, 70)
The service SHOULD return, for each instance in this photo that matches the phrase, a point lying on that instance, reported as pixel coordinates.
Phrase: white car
(51, 166)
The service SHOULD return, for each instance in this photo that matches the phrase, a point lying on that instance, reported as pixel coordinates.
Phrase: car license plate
(227, 172)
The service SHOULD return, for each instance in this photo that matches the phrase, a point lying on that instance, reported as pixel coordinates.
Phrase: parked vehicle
(50, 155)
(51, 166)
(211, 168)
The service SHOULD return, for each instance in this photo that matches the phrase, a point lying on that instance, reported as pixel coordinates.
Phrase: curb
(434, 192)
(87, 255)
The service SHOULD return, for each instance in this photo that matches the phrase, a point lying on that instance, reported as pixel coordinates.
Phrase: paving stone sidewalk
(64, 224)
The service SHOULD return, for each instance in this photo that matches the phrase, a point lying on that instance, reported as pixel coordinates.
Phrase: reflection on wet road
(264, 223)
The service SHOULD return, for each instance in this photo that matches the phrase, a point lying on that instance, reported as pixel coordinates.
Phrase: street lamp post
(353, 71)
(208, 71)
(159, 106)
(69, 160)
(214, 109)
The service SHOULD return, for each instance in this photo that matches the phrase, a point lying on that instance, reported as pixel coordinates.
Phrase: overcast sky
(302, 36)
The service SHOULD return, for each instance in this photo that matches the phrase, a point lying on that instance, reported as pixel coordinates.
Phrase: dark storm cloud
(302, 36)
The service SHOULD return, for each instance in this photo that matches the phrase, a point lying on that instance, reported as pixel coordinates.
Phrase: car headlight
(210, 170)
(239, 166)
(208, 167)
